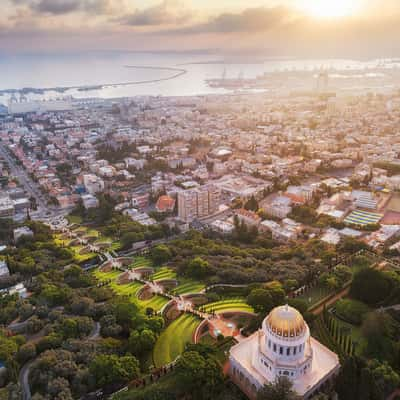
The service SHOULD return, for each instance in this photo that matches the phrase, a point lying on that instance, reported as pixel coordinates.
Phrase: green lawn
(163, 273)
(74, 219)
(106, 276)
(116, 245)
(227, 305)
(140, 262)
(314, 295)
(156, 302)
(188, 287)
(129, 289)
(80, 229)
(81, 257)
(173, 340)
(317, 293)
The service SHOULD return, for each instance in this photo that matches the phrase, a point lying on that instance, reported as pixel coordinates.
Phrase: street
(44, 210)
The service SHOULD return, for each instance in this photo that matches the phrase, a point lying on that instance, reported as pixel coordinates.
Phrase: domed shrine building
(283, 347)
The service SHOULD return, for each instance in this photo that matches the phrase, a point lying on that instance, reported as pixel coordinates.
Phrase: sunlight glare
(330, 8)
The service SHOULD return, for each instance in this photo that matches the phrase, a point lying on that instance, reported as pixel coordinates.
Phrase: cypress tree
(366, 385)
(347, 382)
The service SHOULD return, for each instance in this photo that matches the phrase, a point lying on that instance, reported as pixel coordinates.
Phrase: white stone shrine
(283, 347)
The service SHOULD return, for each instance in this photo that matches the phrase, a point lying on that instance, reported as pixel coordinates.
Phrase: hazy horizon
(288, 28)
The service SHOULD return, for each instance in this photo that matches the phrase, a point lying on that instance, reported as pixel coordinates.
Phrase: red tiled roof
(295, 198)
(165, 203)
(248, 214)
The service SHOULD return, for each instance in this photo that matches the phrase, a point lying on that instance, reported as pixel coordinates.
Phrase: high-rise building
(214, 198)
(187, 205)
(198, 203)
(202, 202)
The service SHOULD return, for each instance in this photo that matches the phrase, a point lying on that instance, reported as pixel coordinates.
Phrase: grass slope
(163, 273)
(189, 287)
(173, 340)
(130, 290)
(227, 305)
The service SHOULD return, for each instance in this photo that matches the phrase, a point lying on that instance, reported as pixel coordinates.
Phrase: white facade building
(282, 348)
(280, 207)
(22, 231)
(4, 271)
(89, 201)
(93, 184)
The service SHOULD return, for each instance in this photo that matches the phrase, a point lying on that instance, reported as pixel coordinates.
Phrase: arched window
(288, 351)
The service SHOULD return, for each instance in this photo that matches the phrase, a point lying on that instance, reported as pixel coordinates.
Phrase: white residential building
(89, 201)
(23, 231)
(4, 271)
(93, 184)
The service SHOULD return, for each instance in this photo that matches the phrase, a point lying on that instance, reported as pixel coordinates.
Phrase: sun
(330, 8)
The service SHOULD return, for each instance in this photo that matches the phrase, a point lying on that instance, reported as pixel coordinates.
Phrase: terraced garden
(156, 302)
(106, 276)
(130, 289)
(228, 305)
(92, 236)
(140, 262)
(173, 340)
(163, 273)
(85, 232)
(188, 287)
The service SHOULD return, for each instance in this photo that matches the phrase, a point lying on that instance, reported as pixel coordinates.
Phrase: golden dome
(286, 321)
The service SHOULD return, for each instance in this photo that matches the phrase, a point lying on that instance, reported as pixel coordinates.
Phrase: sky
(276, 28)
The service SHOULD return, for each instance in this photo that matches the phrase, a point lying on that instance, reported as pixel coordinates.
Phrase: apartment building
(198, 203)
(250, 218)
(93, 184)
(278, 207)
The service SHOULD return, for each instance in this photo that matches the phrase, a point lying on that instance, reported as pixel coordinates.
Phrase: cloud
(114, 24)
(62, 7)
(249, 20)
(56, 7)
(165, 13)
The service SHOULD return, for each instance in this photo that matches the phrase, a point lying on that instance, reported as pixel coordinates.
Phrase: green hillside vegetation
(173, 340)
